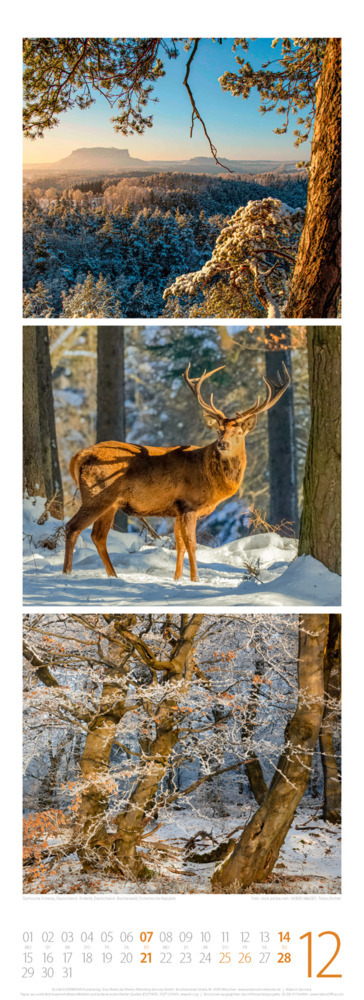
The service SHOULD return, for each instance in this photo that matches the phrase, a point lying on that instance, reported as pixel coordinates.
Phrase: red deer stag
(184, 482)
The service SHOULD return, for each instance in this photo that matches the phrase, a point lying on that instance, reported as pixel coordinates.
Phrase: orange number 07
(322, 974)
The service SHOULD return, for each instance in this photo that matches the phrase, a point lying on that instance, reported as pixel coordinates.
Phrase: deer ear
(210, 421)
(249, 424)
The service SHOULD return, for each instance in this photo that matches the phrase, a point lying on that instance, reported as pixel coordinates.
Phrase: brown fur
(184, 482)
(181, 482)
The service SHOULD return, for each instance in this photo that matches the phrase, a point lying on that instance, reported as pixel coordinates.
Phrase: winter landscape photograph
(195, 465)
(183, 753)
(182, 177)
(181, 466)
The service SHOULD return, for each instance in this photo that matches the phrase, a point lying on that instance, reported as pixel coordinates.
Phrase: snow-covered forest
(111, 246)
(131, 245)
(155, 746)
(247, 544)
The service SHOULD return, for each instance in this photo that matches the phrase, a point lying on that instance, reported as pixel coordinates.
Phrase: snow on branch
(261, 240)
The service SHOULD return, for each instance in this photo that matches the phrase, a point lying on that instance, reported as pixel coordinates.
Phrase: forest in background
(148, 397)
(159, 409)
(110, 246)
(268, 258)
(158, 747)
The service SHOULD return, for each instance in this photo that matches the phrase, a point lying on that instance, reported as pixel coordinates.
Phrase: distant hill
(103, 159)
(95, 158)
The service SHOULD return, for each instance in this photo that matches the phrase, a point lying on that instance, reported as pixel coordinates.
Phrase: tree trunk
(315, 287)
(332, 681)
(41, 469)
(33, 477)
(281, 441)
(51, 468)
(131, 822)
(253, 768)
(120, 850)
(110, 421)
(90, 836)
(257, 850)
(320, 532)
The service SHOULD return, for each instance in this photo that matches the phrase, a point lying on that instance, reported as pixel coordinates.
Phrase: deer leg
(180, 546)
(84, 517)
(72, 534)
(99, 535)
(188, 524)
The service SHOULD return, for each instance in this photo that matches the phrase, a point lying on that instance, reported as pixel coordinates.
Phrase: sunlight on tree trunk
(315, 287)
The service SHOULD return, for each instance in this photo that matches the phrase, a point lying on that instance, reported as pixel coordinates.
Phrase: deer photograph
(185, 482)
(174, 463)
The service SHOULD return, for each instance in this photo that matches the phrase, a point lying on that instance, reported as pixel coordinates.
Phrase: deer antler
(196, 383)
(275, 390)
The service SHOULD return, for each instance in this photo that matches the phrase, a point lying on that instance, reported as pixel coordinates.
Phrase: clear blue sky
(236, 127)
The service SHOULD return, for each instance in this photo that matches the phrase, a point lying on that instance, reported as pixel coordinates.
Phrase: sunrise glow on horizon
(236, 127)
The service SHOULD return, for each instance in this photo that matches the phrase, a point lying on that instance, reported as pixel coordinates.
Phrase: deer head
(232, 430)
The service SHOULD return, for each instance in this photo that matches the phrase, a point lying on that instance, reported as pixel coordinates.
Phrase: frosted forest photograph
(182, 466)
(183, 753)
(182, 177)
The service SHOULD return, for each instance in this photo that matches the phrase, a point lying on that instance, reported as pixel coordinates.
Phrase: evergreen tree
(305, 80)
(91, 298)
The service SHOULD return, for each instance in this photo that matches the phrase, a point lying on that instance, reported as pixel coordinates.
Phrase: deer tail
(75, 468)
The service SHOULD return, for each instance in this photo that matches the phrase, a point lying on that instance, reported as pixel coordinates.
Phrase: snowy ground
(260, 570)
(309, 861)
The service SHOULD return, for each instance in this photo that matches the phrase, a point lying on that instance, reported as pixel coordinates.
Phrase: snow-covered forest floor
(260, 569)
(309, 861)
(196, 799)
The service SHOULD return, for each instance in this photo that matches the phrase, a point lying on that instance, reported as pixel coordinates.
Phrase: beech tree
(332, 686)
(256, 852)
(131, 717)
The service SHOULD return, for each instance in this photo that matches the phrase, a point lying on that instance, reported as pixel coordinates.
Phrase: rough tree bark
(33, 477)
(320, 532)
(110, 420)
(51, 467)
(315, 287)
(281, 439)
(257, 850)
(332, 682)
(41, 471)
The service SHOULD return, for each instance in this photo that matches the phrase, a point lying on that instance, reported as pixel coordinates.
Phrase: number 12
(322, 974)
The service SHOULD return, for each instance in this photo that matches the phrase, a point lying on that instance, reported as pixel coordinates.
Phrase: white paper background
(216, 913)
